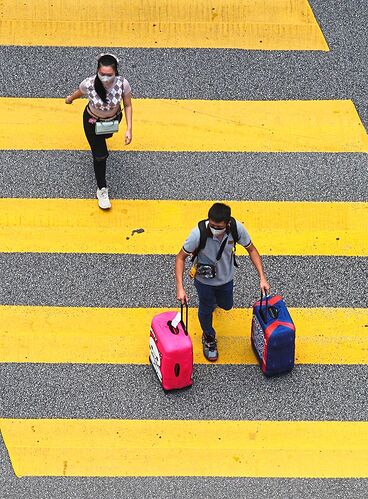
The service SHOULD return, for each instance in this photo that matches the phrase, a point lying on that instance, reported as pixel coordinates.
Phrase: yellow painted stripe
(306, 449)
(192, 125)
(120, 336)
(77, 225)
(255, 24)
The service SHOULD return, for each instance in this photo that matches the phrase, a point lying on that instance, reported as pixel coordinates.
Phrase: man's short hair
(220, 212)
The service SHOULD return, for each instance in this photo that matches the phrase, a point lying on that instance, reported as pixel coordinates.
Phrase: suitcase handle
(175, 330)
(270, 310)
(185, 326)
(263, 316)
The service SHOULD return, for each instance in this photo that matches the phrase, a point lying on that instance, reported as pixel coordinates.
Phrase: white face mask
(106, 79)
(217, 232)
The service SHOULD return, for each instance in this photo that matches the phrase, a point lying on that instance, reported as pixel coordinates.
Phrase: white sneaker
(103, 198)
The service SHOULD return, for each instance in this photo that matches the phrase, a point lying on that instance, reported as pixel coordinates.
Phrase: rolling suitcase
(273, 335)
(171, 350)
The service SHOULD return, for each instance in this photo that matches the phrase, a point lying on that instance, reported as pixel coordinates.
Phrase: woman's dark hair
(220, 212)
(105, 60)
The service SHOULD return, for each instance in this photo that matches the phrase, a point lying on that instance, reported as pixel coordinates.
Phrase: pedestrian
(212, 246)
(105, 91)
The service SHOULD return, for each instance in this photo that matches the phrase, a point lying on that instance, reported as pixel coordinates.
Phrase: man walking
(212, 246)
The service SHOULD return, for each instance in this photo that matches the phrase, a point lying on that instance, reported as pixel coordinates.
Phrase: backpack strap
(234, 229)
(203, 232)
(234, 233)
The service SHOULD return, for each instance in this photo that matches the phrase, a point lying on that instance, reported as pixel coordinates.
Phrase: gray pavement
(250, 176)
(130, 391)
(212, 74)
(95, 280)
(224, 392)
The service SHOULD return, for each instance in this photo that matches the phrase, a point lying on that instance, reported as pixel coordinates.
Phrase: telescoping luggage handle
(272, 311)
(175, 330)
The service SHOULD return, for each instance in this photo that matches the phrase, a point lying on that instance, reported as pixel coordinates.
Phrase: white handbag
(106, 127)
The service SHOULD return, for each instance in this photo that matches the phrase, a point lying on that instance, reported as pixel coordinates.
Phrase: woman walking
(105, 91)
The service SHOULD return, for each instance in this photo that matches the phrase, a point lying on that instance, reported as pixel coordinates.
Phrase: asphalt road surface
(312, 392)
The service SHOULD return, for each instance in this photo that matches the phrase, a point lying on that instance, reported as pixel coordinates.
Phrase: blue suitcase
(273, 335)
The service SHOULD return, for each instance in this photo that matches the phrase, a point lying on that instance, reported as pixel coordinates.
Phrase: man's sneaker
(209, 348)
(103, 198)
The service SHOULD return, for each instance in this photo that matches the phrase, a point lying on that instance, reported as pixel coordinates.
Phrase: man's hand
(265, 287)
(181, 296)
(128, 137)
(68, 100)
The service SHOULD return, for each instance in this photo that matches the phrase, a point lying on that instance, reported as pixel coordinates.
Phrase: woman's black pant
(98, 147)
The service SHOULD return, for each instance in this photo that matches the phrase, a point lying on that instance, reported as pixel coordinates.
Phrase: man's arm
(179, 273)
(257, 262)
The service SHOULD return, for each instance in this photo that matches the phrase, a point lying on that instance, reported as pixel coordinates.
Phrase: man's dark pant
(209, 297)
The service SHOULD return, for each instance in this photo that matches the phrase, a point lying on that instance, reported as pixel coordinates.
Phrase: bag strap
(234, 230)
(235, 234)
(203, 233)
(222, 247)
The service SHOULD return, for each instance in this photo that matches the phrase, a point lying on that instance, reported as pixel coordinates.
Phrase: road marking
(161, 226)
(120, 335)
(192, 125)
(255, 24)
(295, 449)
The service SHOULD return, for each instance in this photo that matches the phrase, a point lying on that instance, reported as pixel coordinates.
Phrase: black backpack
(205, 232)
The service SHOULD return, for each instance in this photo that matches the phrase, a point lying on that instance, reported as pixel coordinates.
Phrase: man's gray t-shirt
(225, 266)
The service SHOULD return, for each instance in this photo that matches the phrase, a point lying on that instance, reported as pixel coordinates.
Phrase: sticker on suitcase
(258, 337)
(155, 356)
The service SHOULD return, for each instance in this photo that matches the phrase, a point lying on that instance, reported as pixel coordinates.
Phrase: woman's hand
(69, 100)
(128, 137)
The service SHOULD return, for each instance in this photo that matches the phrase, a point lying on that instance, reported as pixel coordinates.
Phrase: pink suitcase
(171, 351)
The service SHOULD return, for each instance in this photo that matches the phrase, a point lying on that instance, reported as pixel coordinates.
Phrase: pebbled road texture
(212, 74)
(248, 176)
(226, 392)
(220, 392)
(102, 280)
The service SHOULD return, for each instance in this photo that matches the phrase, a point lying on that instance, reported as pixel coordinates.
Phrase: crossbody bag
(208, 270)
(106, 126)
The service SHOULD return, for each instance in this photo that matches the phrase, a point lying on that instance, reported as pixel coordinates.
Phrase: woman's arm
(75, 95)
(127, 101)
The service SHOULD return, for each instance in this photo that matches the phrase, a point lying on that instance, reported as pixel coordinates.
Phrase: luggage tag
(176, 320)
(174, 323)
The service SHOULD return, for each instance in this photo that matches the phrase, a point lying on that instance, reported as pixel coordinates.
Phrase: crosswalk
(258, 24)
(58, 250)
(201, 125)
(104, 335)
(151, 227)
(189, 448)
